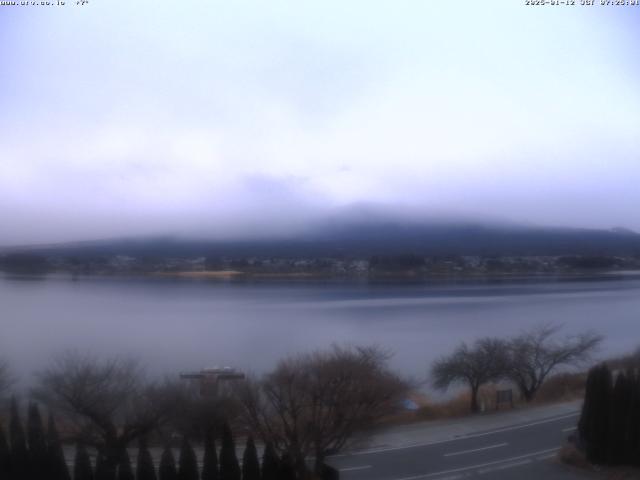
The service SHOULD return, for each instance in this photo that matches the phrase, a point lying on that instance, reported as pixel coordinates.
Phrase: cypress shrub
(618, 421)
(38, 458)
(19, 451)
(210, 460)
(188, 464)
(167, 470)
(287, 469)
(58, 469)
(633, 423)
(82, 469)
(270, 463)
(229, 466)
(585, 423)
(145, 469)
(5, 455)
(104, 470)
(250, 464)
(125, 472)
(593, 426)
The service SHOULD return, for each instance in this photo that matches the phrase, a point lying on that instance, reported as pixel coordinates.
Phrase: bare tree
(535, 354)
(109, 401)
(314, 404)
(475, 365)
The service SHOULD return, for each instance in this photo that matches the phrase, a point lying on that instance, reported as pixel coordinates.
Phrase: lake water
(174, 325)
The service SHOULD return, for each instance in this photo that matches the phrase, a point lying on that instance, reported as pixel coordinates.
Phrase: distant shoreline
(395, 276)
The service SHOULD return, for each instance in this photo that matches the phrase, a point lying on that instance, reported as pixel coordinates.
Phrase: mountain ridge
(366, 238)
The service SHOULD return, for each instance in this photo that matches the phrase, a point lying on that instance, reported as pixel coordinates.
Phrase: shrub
(188, 465)
(145, 469)
(82, 469)
(229, 466)
(167, 469)
(250, 465)
(270, 463)
(210, 460)
(58, 469)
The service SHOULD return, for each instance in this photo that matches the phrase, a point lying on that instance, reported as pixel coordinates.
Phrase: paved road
(524, 450)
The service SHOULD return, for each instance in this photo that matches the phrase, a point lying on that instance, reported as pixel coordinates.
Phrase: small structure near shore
(210, 378)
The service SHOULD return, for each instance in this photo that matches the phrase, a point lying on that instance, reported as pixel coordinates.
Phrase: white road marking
(351, 469)
(546, 457)
(569, 429)
(465, 437)
(498, 445)
(480, 465)
(482, 471)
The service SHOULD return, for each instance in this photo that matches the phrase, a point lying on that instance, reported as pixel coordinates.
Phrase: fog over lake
(174, 325)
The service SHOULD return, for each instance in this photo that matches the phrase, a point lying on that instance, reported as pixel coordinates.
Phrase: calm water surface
(174, 325)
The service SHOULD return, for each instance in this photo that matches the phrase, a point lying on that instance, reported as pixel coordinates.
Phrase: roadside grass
(562, 387)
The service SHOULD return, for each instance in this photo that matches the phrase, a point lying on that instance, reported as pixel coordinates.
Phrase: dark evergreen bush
(188, 465)
(145, 469)
(620, 405)
(38, 458)
(19, 451)
(270, 463)
(82, 469)
(210, 460)
(609, 426)
(593, 426)
(633, 448)
(287, 468)
(5, 455)
(125, 472)
(167, 469)
(104, 470)
(58, 469)
(229, 466)
(250, 464)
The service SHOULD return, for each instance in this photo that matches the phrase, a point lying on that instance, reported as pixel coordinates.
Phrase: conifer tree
(145, 469)
(188, 464)
(210, 460)
(270, 463)
(5, 455)
(19, 451)
(229, 466)
(38, 458)
(104, 469)
(618, 421)
(250, 464)
(287, 469)
(593, 426)
(167, 470)
(82, 469)
(58, 469)
(636, 421)
(125, 472)
(632, 451)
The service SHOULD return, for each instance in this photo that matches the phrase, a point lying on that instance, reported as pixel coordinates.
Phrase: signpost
(504, 396)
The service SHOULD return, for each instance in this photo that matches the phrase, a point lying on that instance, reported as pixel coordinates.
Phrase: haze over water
(174, 325)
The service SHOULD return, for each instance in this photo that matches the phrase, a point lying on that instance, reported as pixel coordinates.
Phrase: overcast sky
(137, 117)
